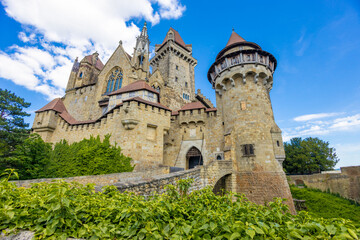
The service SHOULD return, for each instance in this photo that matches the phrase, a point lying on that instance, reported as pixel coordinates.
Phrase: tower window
(177, 67)
(186, 84)
(176, 79)
(248, 149)
(81, 75)
(114, 80)
(278, 143)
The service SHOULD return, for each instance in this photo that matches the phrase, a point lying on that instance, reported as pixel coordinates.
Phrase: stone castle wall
(135, 127)
(101, 180)
(346, 183)
(193, 128)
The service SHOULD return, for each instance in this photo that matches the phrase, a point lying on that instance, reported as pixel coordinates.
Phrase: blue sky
(316, 88)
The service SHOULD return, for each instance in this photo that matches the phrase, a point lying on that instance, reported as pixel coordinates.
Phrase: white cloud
(316, 128)
(309, 117)
(56, 32)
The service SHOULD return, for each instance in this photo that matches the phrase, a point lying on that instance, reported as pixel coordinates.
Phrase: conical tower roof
(234, 38)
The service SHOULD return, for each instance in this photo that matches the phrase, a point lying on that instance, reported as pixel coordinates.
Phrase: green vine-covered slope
(59, 210)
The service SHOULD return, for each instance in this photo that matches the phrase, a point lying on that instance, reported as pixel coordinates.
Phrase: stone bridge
(216, 174)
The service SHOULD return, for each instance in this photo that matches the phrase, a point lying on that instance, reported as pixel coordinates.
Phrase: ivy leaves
(60, 210)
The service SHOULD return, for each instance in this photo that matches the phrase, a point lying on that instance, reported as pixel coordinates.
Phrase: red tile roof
(177, 39)
(56, 105)
(193, 105)
(138, 85)
(234, 38)
(99, 65)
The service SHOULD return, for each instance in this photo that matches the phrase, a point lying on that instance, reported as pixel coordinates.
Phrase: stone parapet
(346, 183)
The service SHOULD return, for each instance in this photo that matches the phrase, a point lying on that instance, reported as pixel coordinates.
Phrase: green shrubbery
(327, 205)
(59, 210)
(35, 158)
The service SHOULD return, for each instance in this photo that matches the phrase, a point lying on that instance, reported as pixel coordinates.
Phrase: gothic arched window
(114, 80)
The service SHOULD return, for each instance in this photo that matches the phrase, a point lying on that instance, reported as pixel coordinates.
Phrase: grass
(327, 205)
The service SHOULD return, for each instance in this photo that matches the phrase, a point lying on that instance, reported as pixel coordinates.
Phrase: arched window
(81, 75)
(114, 80)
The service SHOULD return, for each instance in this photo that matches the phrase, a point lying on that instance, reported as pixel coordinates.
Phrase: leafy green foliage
(327, 205)
(59, 210)
(31, 157)
(12, 126)
(35, 158)
(87, 157)
(309, 155)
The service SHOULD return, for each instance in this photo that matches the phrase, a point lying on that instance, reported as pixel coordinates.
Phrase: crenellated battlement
(241, 75)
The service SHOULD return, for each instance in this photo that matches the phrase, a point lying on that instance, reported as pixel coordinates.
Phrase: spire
(234, 38)
(144, 31)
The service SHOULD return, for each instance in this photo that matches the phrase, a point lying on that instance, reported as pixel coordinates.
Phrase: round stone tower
(242, 76)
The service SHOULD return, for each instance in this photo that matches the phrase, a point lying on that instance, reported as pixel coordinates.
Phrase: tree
(309, 155)
(31, 158)
(13, 129)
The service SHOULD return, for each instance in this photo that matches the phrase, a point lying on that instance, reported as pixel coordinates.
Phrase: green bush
(327, 205)
(36, 158)
(87, 157)
(60, 210)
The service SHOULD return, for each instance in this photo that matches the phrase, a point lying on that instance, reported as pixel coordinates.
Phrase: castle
(158, 119)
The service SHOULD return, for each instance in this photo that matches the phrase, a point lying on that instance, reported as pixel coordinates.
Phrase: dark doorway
(223, 185)
(194, 158)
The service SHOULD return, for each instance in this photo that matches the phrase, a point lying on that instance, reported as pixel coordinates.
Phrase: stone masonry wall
(102, 180)
(346, 183)
(157, 183)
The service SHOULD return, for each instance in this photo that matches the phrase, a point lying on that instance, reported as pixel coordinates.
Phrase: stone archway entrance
(223, 185)
(193, 158)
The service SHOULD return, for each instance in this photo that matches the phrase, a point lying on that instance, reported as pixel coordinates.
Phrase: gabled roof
(192, 106)
(56, 105)
(99, 65)
(135, 86)
(177, 39)
(234, 38)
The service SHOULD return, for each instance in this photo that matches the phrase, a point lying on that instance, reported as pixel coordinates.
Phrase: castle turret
(140, 59)
(173, 58)
(242, 76)
(73, 74)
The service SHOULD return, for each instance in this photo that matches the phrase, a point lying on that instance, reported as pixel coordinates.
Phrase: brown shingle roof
(56, 105)
(234, 38)
(138, 85)
(99, 65)
(192, 105)
(177, 39)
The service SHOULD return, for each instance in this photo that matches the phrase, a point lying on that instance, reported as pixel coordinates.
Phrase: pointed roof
(99, 65)
(144, 31)
(234, 38)
(138, 85)
(56, 105)
(177, 39)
